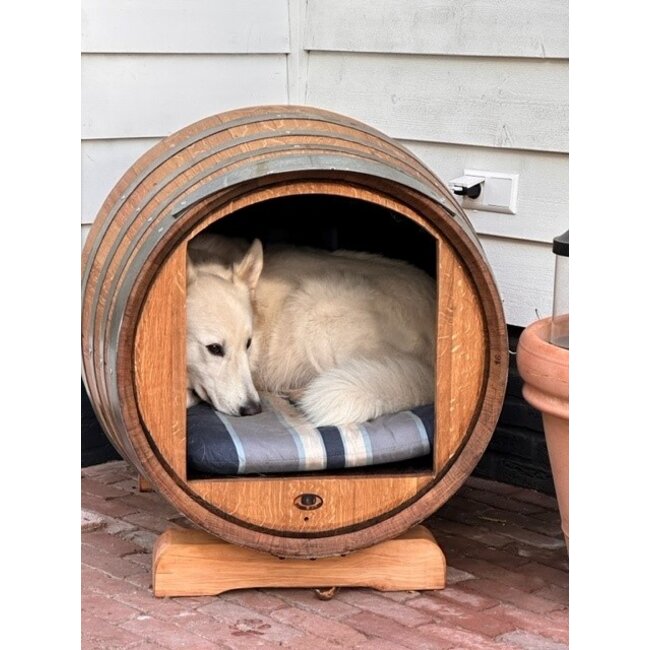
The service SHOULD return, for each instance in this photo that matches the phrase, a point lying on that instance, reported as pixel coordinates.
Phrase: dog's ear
(249, 268)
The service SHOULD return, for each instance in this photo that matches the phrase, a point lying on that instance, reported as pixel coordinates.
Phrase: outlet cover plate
(498, 194)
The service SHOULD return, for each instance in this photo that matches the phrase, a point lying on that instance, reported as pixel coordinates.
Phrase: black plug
(469, 186)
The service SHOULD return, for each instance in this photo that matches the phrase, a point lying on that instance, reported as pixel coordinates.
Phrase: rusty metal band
(256, 118)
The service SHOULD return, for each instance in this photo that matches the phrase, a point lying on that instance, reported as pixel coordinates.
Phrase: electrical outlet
(498, 192)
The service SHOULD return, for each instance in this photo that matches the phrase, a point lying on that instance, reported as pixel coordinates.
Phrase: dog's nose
(250, 408)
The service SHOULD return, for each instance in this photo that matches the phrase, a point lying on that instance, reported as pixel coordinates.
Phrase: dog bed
(280, 439)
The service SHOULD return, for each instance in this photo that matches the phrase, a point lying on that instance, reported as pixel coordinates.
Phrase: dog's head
(220, 331)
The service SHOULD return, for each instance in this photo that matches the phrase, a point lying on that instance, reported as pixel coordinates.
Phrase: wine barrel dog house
(268, 169)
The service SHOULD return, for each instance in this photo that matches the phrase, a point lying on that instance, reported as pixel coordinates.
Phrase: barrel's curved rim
(220, 165)
(284, 165)
(354, 530)
(226, 162)
(335, 164)
(225, 121)
(340, 163)
(321, 162)
(390, 150)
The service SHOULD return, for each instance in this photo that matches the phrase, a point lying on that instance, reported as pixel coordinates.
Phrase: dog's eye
(216, 349)
(248, 344)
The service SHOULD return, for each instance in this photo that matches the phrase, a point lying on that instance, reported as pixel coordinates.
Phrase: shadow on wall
(517, 452)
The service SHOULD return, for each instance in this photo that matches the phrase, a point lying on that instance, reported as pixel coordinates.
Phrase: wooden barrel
(133, 321)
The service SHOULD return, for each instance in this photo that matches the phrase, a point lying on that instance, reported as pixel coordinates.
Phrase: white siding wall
(150, 67)
(479, 84)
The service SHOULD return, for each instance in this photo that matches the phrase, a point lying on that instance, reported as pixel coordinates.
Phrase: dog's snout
(250, 408)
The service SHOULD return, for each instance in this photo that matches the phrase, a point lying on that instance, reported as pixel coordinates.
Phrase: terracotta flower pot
(545, 370)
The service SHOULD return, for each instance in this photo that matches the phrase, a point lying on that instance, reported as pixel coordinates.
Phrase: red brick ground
(507, 583)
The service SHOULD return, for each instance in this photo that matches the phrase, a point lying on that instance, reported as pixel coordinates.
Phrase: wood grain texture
(347, 500)
(159, 361)
(194, 26)
(460, 364)
(176, 90)
(512, 103)
(193, 563)
(535, 28)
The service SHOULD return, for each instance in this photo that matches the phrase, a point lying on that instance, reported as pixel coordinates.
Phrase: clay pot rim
(544, 367)
(534, 342)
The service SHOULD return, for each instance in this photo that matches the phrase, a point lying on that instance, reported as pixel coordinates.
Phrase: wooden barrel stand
(194, 563)
(133, 351)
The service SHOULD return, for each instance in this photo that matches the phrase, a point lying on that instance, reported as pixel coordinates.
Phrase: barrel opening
(331, 222)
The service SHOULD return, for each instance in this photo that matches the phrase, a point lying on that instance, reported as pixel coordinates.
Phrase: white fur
(350, 335)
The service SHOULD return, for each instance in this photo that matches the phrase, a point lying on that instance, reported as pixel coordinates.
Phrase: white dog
(348, 336)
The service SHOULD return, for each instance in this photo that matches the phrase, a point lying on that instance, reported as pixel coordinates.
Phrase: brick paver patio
(507, 583)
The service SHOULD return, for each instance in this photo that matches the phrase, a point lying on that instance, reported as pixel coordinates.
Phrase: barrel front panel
(269, 504)
(461, 356)
(309, 507)
(159, 360)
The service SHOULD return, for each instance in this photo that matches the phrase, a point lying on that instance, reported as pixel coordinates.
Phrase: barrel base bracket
(194, 563)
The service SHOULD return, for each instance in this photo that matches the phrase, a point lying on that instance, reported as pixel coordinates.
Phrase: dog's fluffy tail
(363, 389)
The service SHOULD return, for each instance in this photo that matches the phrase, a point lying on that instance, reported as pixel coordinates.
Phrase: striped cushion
(280, 439)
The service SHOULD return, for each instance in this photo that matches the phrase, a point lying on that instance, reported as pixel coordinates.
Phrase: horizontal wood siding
(507, 103)
(184, 26)
(543, 195)
(150, 67)
(135, 96)
(516, 28)
(524, 273)
(476, 84)
(103, 162)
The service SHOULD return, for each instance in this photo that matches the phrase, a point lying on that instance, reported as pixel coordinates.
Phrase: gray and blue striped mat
(280, 439)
